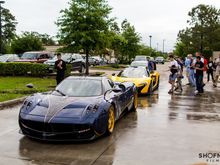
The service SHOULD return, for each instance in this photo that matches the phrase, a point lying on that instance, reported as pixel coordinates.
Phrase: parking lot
(165, 130)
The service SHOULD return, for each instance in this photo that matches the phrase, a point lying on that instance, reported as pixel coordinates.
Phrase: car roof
(38, 52)
(86, 78)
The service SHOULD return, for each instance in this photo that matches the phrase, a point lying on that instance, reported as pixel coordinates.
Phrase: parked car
(35, 57)
(145, 82)
(100, 60)
(140, 58)
(160, 60)
(80, 108)
(9, 58)
(76, 60)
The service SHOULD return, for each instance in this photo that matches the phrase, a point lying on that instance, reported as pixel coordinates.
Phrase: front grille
(53, 127)
(56, 131)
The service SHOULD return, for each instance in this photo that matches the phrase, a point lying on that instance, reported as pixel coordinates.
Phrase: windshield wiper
(60, 92)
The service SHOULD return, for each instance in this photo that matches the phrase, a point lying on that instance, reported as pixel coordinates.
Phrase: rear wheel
(111, 121)
(150, 90)
(158, 83)
(82, 70)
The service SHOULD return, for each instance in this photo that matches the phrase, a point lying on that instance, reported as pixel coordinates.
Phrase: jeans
(210, 73)
(192, 77)
(199, 83)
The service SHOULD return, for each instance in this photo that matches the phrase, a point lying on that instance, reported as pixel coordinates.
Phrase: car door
(118, 97)
(74, 62)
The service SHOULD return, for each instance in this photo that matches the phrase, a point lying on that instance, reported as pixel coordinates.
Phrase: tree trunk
(87, 62)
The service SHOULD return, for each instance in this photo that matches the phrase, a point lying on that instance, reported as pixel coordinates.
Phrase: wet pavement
(165, 130)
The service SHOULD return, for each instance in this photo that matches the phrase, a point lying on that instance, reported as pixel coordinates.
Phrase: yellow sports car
(145, 82)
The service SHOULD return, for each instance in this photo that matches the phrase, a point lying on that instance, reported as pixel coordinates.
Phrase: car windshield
(29, 56)
(159, 58)
(64, 57)
(134, 73)
(136, 63)
(140, 58)
(3, 58)
(80, 88)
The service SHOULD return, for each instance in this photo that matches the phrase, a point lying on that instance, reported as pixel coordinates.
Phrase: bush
(23, 69)
(68, 70)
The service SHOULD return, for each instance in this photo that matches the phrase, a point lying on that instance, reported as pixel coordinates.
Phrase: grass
(15, 87)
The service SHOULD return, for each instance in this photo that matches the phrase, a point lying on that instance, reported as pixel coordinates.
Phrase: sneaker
(170, 92)
(196, 92)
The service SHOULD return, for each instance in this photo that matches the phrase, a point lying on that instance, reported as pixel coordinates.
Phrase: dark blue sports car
(81, 108)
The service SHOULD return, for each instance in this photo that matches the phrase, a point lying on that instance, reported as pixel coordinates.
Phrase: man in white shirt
(174, 67)
(217, 72)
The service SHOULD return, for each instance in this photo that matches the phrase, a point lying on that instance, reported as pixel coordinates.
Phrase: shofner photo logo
(210, 157)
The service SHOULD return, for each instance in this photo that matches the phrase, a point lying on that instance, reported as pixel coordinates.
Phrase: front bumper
(57, 131)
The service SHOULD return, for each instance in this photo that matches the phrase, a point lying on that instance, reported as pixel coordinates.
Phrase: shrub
(23, 69)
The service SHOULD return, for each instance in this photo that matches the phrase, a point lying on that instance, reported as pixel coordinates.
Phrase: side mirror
(116, 90)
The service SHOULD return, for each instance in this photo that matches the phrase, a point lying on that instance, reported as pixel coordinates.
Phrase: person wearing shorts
(173, 73)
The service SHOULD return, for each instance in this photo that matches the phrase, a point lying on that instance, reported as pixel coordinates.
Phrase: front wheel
(135, 102)
(111, 121)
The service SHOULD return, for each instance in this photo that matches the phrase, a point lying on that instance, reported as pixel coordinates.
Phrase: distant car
(79, 109)
(160, 60)
(139, 64)
(100, 60)
(76, 60)
(36, 57)
(140, 58)
(9, 58)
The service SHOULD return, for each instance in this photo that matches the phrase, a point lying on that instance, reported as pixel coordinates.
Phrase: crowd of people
(196, 69)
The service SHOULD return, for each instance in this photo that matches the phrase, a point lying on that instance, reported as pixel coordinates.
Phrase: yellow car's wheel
(150, 90)
(111, 120)
(135, 102)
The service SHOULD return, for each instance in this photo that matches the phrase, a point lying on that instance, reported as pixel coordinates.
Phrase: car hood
(137, 81)
(52, 106)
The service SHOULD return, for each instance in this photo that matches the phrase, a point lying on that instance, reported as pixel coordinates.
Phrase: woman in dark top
(210, 69)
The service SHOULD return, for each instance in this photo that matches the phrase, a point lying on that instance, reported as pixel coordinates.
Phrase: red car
(35, 57)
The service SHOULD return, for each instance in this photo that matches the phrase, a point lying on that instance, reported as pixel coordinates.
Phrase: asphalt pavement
(179, 129)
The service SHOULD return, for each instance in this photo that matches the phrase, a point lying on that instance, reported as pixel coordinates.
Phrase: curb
(11, 102)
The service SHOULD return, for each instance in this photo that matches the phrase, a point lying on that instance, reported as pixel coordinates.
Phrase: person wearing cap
(60, 66)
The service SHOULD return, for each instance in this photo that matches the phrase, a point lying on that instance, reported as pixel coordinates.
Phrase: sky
(162, 19)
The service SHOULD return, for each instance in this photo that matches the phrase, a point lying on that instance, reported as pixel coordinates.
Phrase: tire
(135, 102)
(158, 83)
(150, 90)
(82, 70)
(111, 121)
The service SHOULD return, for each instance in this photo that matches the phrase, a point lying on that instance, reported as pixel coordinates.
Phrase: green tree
(203, 31)
(8, 29)
(28, 41)
(83, 25)
(131, 48)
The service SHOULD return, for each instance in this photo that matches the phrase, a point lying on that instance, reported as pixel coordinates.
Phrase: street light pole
(163, 45)
(1, 2)
(150, 40)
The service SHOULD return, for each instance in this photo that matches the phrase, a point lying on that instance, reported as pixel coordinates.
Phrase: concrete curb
(11, 102)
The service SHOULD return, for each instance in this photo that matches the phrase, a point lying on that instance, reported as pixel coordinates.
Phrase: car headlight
(92, 108)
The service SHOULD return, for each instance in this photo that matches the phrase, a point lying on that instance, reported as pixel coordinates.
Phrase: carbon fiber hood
(52, 106)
